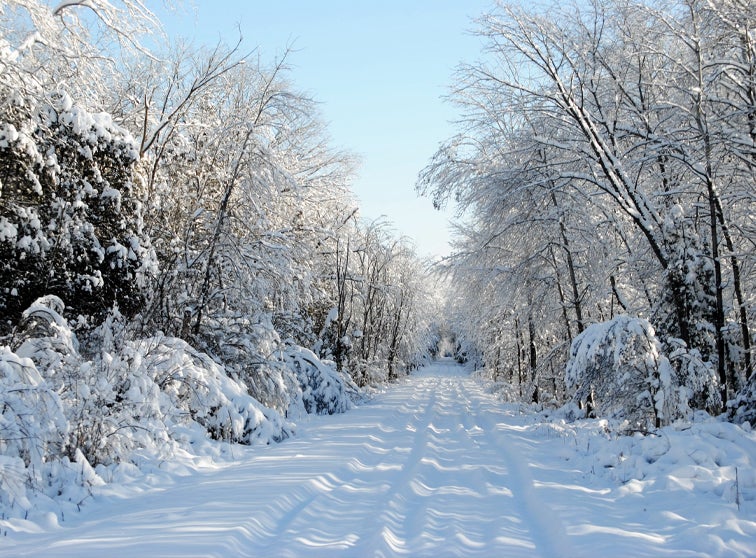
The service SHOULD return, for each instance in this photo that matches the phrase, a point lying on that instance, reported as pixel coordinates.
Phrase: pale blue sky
(379, 70)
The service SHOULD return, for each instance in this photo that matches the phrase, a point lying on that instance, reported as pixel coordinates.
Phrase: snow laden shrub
(370, 373)
(33, 434)
(32, 423)
(742, 408)
(283, 376)
(44, 339)
(105, 421)
(70, 224)
(325, 391)
(137, 395)
(195, 388)
(616, 370)
(43, 335)
(251, 352)
(699, 384)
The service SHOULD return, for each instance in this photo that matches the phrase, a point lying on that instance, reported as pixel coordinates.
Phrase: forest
(182, 259)
(605, 175)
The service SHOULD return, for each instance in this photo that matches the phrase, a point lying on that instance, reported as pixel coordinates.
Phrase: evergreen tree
(69, 224)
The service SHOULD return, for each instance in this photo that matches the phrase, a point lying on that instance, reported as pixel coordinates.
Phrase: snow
(8, 231)
(617, 367)
(433, 466)
(8, 134)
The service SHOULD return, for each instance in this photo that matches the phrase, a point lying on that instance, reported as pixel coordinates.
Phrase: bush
(62, 413)
(70, 223)
(135, 395)
(743, 406)
(325, 391)
(193, 387)
(616, 370)
(32, 423)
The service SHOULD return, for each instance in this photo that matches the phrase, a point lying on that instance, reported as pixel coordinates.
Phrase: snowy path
(433, 467)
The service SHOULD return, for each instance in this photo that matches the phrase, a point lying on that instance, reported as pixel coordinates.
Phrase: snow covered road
(432, 467)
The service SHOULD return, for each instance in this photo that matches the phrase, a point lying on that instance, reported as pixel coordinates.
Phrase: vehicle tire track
(392, 527)
(547, 528)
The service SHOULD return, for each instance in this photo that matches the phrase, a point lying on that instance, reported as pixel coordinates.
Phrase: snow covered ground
(435, 466)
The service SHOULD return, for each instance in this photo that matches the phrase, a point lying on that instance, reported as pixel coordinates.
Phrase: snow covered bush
(33, 434)
(743, 407)
(44, 336)
(137, 394)
(250, 349)
(616, 370)
(61, 413)
(195, 388)
(32, 423)
(284, 376)
(70, 224)
(324, 389)
(105, 419)
(699, 385)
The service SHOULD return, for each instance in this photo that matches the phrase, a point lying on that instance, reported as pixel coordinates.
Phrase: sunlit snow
(433, 466)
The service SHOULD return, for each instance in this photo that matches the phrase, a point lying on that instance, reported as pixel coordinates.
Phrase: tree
(595, 142)
(71, 225)
(616, 370)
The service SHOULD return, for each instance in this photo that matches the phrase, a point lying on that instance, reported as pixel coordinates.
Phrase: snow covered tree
(71, 225)
(69, 219)
(616, 370)
(379, 322)
(598, 164)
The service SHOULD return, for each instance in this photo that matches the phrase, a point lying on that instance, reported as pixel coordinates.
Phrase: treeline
(173, 219)
(605, 168)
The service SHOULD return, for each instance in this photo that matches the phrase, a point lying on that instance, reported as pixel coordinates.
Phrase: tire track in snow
(546, 528)
(381, 468)
(464, 475)
(428, 505)
(392, 527)
(487, 427)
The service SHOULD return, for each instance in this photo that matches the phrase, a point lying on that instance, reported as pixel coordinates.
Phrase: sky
(379, 70)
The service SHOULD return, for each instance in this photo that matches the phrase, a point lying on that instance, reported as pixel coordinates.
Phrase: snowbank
(709, 457)
(703, 458)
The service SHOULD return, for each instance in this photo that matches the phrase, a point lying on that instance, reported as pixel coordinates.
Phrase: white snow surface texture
(433, 466)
